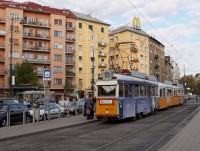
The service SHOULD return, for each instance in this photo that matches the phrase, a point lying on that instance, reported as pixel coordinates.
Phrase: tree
(24, 74)
(189, 82)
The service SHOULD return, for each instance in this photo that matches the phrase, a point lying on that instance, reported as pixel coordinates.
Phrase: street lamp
(11, 52)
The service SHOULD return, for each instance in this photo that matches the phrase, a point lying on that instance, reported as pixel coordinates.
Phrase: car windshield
(107, 90)
(72, 104)
(3, 107)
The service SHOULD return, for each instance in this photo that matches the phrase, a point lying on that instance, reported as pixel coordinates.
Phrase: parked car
(9, 100)
(72, 108)
(55, 111)
(81, 104)
(16, 113)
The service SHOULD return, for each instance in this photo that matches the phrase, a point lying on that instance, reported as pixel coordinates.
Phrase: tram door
(120, 100)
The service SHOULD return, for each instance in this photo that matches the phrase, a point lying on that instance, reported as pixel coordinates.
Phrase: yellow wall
(87, 53)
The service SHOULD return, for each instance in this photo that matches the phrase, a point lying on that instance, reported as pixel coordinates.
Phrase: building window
(58, 69)
(58, 81)
(80, 70)
(14, 16)
(58, 45)
(15, 54)
(102, 29)
(69, 24)
(80, 36)
(58, 33)
(14, 42)
(57, 57)
(57, 21)
(80, 48)
(80, 81)
(80, 58)
(92, 37)
(80, 25)
(90, 27)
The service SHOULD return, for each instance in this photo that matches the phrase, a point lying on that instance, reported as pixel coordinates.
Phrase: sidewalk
(21, 130)
(188, 139)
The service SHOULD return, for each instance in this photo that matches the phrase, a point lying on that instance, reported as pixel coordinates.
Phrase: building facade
(156, 59)
(92, 49)
(129, 49)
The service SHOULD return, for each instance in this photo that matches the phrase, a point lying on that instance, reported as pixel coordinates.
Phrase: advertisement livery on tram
(128, 96)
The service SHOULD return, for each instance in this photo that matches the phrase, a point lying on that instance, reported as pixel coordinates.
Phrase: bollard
(33, 115)
(49, 116)
(8, 118)
(76, 110)
(68, 111)
(24, 117)
(59, 113)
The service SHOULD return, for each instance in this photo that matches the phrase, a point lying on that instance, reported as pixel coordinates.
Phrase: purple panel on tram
(142, 105)
(129, 107)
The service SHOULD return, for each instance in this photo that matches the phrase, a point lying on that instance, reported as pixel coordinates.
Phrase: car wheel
(28, 119)
(4, 122)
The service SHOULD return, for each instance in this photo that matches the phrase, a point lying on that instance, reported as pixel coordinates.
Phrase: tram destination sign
(106, 102)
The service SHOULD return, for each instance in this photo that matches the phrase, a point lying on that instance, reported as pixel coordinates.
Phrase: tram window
(106, 90)
(137, 90)
(142, 90)
(130, 90)
(126, 90)
(121, 90)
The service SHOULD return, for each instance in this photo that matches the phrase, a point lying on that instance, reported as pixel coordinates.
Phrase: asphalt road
(148, 133)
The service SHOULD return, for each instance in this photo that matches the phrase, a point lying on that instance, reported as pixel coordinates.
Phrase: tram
(129, 96)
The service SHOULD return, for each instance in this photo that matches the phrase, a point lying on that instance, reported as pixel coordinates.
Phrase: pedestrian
(89, 105)
(196, 98)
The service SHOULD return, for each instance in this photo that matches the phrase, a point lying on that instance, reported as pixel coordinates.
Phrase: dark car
(8, 100)
(16, 113)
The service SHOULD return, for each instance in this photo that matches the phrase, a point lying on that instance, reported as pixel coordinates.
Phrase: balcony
(36, 36)
(2, 32)
(70, 28)
(2, 59)
(69, 51)
(70, 74)
(156, 65)
(103, 65)
(2, 45)
(39, 73)
(156, 56)
(157, 74)
(69, 39)
(102, 44)
(2, 20)
(70, 62)
(36, 60)
(134, 59)
(135, 68)
(36, 48)
(102, 54)
(36, 24)
(133, 49)
(2, 72)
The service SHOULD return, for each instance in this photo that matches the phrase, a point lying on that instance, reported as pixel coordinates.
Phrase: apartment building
(42, 36)
(157, 59)
(91, 47)
(129, 49)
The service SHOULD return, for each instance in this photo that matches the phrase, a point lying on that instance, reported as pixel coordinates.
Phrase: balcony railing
(71, 74)
(67, 62)
(103, 65)
(2, 45)
(2, 59)
(133, 49)
(134, 59)
(70, 51)
(70, 39)
(70, 28)
(39, 24)
(102, 44)
(2, 72)
(2, 20)
(37, 61)
(36, 36)
(36, 48)
(2, 32)
(156, 65)
(102, 54)
(156, 56)
(39, 73)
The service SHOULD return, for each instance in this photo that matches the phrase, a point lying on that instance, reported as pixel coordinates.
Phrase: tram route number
(105, 101)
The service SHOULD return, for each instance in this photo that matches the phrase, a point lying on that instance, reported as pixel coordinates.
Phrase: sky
(175, 23)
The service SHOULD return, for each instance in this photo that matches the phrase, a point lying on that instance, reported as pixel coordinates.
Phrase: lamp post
(92, 82)
(22, 21)
(11, 47)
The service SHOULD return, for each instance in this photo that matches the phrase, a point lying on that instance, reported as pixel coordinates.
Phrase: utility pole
(11, 47)
(92, 81)
(184, 79)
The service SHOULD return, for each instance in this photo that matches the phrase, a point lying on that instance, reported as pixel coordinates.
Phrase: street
(148, 133)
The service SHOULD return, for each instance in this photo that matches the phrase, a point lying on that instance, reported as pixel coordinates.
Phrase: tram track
(98, 129)
(149, 126)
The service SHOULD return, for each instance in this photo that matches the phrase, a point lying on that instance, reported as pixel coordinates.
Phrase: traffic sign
(46, 74)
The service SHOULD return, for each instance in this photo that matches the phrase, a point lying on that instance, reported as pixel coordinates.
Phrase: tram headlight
(106, 111)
